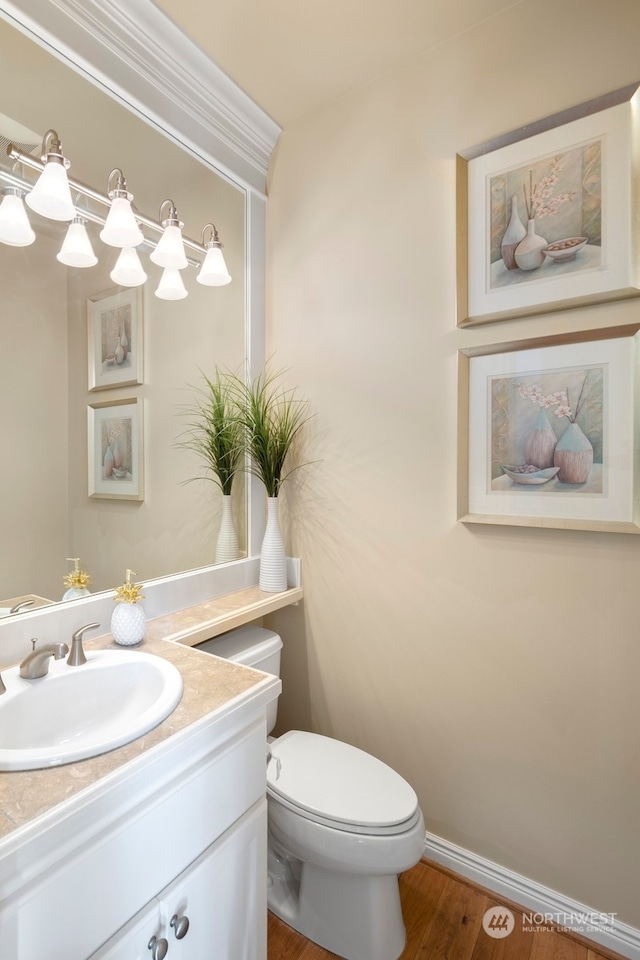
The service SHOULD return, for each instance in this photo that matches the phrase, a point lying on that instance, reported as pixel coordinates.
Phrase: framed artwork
(115, 448)
(114, 320)
(549, 432)
(548, 214)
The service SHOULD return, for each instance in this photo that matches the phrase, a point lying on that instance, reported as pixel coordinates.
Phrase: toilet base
(356, 917)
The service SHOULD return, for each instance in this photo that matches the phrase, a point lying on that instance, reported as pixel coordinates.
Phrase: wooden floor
(443, 916)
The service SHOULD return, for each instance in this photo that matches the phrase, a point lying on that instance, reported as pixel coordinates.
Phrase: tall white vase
(227, 542)
(514, 234)
(273, 557)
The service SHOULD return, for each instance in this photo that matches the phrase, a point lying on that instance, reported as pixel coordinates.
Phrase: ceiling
(293, 56)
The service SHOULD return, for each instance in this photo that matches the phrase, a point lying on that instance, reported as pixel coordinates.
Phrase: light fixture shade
(213, 272)
(120, 228)
(128, 271)
(51, 196)
(171, 286)
(170, 250)
(15, 228)
(76, 251)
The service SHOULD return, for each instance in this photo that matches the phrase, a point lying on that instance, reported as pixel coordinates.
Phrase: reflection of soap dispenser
(76, 582)
(128, 620)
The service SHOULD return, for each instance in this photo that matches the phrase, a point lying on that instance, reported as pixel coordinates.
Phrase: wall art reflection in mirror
(115, 339)
(116, 450)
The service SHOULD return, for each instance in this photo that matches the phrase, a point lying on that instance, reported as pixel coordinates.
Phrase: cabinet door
(132, 941)
(215, 910)
(222, 895)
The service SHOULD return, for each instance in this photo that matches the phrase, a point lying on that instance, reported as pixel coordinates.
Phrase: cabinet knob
(180, 926)
(158, 948)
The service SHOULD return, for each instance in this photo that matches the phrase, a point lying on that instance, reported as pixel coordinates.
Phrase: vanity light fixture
(171, 286)
(51, 196)
(15, 228)
(76, 250)
(121, 228)
(128, 271)
(213, 272)
(170, 249)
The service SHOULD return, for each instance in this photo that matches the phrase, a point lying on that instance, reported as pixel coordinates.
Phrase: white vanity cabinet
(213, 909)
(180, 829)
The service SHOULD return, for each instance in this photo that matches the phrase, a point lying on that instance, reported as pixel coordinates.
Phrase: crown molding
(137, 54)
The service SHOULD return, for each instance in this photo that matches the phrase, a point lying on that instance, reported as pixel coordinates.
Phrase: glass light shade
(76, 251)
(15, 228)
(120, 228)
(51, 196)
(128, 271)
(171, 286)
(170, 250)
(213, 272)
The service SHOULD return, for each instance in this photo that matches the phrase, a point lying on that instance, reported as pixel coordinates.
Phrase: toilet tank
(251, 646)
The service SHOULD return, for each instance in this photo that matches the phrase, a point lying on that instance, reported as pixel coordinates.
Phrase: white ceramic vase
(273, 557)
(128, 622)
(529, 255)
(514, 235)
(227, 542)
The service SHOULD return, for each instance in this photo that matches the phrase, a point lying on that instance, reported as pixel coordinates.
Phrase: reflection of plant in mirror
(216, 431)
(272, 418)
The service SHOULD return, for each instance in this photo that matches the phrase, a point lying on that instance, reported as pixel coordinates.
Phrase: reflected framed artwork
(115, 449)
(549, 431)
(548, 214)
(114, 319)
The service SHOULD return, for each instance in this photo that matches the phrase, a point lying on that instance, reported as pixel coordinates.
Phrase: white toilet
(342, 826)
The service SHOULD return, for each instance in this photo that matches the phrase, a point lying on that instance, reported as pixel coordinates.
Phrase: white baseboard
(616, 936)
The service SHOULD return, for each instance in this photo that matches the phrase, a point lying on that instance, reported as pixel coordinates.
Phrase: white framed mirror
(189, 136)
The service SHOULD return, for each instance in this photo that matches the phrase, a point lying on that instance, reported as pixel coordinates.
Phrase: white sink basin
(79, 712)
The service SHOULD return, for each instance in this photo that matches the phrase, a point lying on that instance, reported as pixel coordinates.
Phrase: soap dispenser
(128, 620)
(76, 582)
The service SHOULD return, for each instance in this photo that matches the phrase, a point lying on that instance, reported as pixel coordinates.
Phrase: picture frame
(569, 180)
(115, 449)
(567, 405)
(115, 335)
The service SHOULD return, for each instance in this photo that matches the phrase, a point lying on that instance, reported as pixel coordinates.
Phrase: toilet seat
(340, 786)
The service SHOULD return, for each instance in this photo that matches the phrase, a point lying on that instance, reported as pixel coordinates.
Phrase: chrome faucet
(21, 606)
(37, 663)
(76, 658)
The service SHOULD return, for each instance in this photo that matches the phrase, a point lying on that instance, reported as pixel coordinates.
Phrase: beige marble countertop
(209, 684)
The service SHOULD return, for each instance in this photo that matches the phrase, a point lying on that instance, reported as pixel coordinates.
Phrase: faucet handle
(76, 658)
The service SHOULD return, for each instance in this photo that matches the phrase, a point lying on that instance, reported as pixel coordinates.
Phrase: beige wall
(496, 668)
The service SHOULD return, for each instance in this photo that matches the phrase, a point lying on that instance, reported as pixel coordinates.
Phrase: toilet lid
(338, 782)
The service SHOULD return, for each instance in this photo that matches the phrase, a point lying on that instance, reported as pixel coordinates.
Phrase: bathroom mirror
(46, 512)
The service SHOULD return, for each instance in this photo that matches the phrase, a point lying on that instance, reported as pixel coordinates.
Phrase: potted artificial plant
(272, 418)
(216, 434)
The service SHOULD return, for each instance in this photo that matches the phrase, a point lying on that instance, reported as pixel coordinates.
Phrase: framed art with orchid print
(549, 432)
(548, 214)
(114, 319)
(115, 449)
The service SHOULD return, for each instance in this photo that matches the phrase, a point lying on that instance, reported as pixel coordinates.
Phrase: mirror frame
(135, 53)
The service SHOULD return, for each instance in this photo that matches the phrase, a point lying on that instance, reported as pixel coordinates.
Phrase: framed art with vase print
(115, 449)
(549, 431)
(114, 319)
(548, 214)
